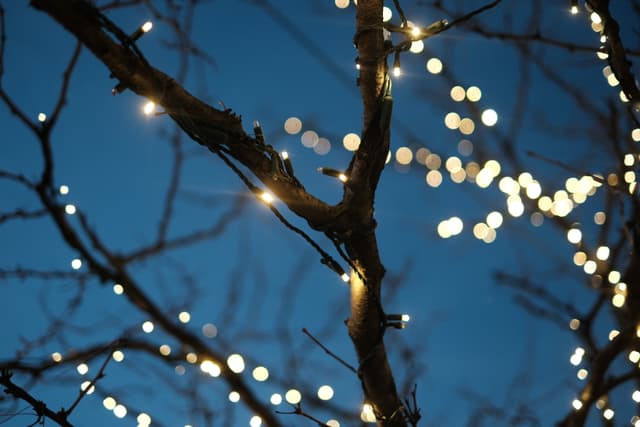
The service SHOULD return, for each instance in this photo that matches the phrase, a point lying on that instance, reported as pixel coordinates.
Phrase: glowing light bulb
(109, 403)
(293, 396)
(367, 414)
(275, 399)
(574, 10)
(235, 363)
(88, 387)
(260, 373)
(396, 65)
(325, 392)
(267, 197)
(147, 26)
(345, 278)
(147, 327)
(120, 411)
(149, 108)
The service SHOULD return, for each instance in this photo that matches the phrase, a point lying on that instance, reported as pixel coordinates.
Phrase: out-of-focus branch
(22, 214)
(39, 406)
(620, 65)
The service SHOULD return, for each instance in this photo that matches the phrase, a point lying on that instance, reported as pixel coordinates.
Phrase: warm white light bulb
(396, 71)
(574, 10)
(147, 26)
(267, 197)
(148, 108)
(345, 277)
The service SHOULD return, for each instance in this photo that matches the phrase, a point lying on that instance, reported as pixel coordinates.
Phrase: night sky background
(258, 283)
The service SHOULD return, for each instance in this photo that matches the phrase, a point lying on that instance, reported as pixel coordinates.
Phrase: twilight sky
(258, 283)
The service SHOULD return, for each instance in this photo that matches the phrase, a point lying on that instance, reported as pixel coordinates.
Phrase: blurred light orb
(293, 396)
(474, 94)
(404, 155)
(351, 141)
(387, 14)
(434, 66)
(325, 392)
(120, 411)
(292, 125)
(489, 117)
(260, 373)
(309, 138)
(417, 46)
(322, 147)
(209, 330)
(276, 399)
(235, 363)
(457, 93)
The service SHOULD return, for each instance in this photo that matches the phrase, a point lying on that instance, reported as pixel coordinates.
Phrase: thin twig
(567, 167)
(92, 383)
(329, 352)
(298, 411)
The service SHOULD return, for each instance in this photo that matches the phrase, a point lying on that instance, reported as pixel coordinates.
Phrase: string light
(142, 30)
(398, 321)
(333, 173)
(257, 130)
(148, 108)
(574, 7)
(396, 65)
(288, 167)
(267, 197)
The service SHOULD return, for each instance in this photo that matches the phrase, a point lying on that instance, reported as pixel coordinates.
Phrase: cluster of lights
(308, 138)
(579, 190)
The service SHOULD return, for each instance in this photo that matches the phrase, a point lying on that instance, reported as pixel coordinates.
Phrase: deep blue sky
(469, 335)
